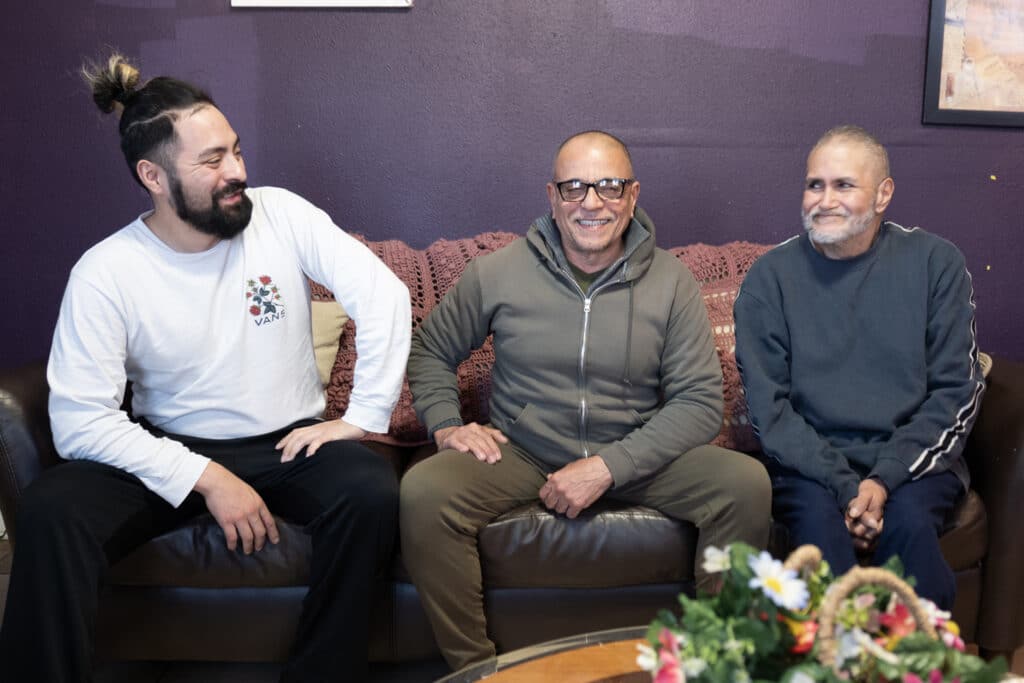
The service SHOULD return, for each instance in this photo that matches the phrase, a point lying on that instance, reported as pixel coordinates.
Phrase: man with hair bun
(203, 304)
(857, 349)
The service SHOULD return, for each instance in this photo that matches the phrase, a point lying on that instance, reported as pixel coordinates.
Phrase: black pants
(915, 516)
(79, 517)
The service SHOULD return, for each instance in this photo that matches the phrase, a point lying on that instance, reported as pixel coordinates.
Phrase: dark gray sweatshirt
(866, 367)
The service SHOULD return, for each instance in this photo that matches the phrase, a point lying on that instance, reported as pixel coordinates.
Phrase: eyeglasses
(576, 190)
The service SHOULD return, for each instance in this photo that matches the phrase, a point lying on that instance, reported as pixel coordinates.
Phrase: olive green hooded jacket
(627, 371)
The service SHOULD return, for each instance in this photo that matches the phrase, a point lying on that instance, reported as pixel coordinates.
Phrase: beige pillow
(328, 317)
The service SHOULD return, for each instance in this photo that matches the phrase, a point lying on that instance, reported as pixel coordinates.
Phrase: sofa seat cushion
(610, 544)
(194, 555)
(964, 543)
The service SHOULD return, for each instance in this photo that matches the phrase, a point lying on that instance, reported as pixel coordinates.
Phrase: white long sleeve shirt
(217, 344)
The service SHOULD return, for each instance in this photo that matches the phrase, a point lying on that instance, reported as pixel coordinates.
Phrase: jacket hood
(545, 239)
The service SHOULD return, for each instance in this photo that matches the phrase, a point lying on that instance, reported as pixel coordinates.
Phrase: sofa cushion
(194, 555)
(610, 544)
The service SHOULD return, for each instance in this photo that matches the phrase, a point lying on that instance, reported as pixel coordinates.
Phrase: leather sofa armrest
(995, 455)
(26, 443)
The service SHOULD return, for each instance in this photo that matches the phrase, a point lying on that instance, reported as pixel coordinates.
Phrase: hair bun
(112, 83)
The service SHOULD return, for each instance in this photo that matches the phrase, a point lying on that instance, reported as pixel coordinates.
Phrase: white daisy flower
(781, 585)
(716, 560)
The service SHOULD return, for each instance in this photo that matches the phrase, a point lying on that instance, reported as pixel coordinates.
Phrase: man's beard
(216, 221)
(854, 227)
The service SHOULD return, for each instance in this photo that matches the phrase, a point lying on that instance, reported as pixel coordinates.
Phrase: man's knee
(426, 489)
(52, 503)
(741, 482)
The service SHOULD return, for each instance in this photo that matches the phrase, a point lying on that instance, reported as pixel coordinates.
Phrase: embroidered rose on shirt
(264, 298)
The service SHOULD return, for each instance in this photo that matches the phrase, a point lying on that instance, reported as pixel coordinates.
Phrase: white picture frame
(321, 3)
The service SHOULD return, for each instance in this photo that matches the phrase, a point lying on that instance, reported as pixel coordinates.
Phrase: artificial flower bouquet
(793, 622)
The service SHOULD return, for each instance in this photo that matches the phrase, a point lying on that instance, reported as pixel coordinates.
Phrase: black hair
(148, 113)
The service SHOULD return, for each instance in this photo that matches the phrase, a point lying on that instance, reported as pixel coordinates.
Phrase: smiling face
(592, 230)
(207, 177)
(845, 194)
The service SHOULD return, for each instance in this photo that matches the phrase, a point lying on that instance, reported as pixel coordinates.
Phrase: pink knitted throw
(430, 272)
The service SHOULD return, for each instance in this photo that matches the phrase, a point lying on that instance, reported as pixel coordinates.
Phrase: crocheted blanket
(430, 272)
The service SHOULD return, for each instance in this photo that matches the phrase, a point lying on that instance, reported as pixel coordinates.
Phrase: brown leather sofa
(182, 596)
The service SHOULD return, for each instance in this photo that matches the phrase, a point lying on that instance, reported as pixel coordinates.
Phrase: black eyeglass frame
(561, 185)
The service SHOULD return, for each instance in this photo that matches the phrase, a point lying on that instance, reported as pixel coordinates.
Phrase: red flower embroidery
(265, 279)
(255, 310)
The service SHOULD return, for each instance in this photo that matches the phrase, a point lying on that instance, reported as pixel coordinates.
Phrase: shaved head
(856, 135)
(596, 138)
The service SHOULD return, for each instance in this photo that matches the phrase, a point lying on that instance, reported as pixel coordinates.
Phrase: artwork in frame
(321, 3)
(975, 68)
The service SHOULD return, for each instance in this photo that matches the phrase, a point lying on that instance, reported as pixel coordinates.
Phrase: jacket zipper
(581, 374)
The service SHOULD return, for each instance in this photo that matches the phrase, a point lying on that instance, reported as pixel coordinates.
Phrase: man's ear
(884, 194)
(553, 197)
(153, 177)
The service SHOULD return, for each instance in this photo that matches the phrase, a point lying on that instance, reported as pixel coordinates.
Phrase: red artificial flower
(898, 621)
(670, 671)
(804, 632)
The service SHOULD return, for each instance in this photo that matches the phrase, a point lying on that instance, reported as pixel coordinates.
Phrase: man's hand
(576, 486)
(238, 509)
(864, 514)
(473, 438)
(314, 436)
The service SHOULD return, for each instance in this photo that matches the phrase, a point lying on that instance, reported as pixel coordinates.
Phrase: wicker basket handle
(806, 557)
(844, 586)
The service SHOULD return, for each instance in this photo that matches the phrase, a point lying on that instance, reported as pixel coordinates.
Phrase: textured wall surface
(440, 121)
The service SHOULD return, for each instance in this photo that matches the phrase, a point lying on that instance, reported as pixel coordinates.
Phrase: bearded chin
(221, 223)
(224, 223)
(854, 227)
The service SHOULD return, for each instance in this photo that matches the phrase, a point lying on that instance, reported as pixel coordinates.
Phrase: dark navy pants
(79, 517)
(915, 515)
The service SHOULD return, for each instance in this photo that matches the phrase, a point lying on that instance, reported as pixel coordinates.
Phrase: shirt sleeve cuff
(368, 418)
(617, 459)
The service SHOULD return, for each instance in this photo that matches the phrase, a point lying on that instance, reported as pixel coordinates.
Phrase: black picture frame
(935, 83)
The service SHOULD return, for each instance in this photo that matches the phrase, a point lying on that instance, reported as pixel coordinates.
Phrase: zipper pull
(586, 305)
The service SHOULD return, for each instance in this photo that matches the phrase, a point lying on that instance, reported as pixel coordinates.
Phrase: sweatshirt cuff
(617, 459)
(441, 415)
(451, 422)
(890, 472)
(846, 490)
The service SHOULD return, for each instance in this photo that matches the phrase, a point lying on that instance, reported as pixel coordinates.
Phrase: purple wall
(441, 121)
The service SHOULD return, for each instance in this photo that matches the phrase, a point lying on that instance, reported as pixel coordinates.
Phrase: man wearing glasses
(605, 383)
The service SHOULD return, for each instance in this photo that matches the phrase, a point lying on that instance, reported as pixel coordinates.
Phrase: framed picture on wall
(975, 68)
(321, 3)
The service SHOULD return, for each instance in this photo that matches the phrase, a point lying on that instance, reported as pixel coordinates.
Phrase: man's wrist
(875, 478)
(440, 426)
